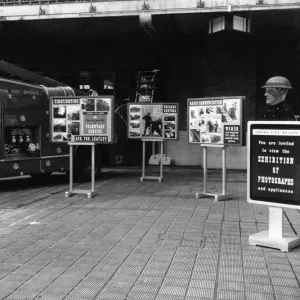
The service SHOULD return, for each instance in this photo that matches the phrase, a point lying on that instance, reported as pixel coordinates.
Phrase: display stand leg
(159, 178)
(73, 191)
(161, 161)
(153, 148)
(204, 169)
(144, 161)
(71, 168)
(274, 237)
(218, 196)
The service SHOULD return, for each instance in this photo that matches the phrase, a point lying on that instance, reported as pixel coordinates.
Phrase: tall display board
(274, 163)
(153, 120)
(82, 119)
(216, 121)
(273, 176)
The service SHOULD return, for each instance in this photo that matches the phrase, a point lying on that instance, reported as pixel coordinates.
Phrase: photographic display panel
(82, 119)
(216, 121)
(152, 120)
(274, 163)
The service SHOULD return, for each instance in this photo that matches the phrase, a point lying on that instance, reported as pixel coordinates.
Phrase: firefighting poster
(82, 119)
(273, 163)
(216, 121)
(155, 120)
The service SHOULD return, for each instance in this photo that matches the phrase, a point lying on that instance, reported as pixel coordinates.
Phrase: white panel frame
(250, 123)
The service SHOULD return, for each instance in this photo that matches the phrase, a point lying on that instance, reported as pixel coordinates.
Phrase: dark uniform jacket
(279, 112)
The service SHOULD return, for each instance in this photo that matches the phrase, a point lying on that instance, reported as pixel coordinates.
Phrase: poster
(216, 121)
(153, 120)
(274, 163)
(82, 119)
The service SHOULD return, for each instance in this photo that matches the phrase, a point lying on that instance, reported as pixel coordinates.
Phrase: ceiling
(108, 29)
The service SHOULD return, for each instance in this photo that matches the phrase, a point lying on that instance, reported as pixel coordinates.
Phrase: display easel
(274, 237)
(161, 141)
(218, 196)
(72, 191)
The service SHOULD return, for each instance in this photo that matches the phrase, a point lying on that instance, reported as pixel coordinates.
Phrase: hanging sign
(152, 120)
(274, 163)
(82, 119)
(216, 121)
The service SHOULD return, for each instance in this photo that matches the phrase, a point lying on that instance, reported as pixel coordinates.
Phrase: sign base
(158, 157)
(89, 194)
(286, 243)
(160, 179)
(218, 196)
(72, 191)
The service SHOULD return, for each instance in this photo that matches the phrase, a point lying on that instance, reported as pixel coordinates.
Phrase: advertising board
(273, 163)
(154, 120)
(82, 119)
(216, 121)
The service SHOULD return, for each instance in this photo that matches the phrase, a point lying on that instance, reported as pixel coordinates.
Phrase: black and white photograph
(60, 112)
(150, 150)
(194, 135)
(88, 104)
(74, 128)
(73, 113)
(152, 121)
(135, 124)
(134, 116)
(170, 134)
(135, 109)
(169, 125)
(59, 125)
(169, 117)
(134, 132)
(60, 137)
(232, 110)
(102, 105)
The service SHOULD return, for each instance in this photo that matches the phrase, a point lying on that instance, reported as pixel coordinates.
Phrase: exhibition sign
(154, 120)
(216, 121)
(274, 163)
(82, 119)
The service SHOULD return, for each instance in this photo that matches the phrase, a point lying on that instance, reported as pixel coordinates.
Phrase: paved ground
(140, 241)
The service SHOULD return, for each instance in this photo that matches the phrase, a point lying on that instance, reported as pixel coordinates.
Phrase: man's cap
(277, 82)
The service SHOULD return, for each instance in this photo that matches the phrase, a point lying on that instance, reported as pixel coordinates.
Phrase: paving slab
(141, 240)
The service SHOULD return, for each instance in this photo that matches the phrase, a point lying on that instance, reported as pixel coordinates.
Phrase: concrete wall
(183, 153)
(186, 154)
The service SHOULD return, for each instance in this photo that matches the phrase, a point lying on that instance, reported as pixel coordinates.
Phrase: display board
(152, 120)
(82, 119)
(216, 121)
(274, 163)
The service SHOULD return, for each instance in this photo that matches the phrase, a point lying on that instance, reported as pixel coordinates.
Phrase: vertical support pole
(143, 163)
(71, 168)
(153, 148)
(275, 222)
(224, 170)
(93, 167)
(204, 169)
(161, 158)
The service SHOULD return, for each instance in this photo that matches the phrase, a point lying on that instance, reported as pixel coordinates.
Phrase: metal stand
(274, 236)
(72, 191)
(218, 196)
(161, 141)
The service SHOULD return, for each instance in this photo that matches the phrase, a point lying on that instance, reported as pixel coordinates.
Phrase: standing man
(148, 122)
(277, 109)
